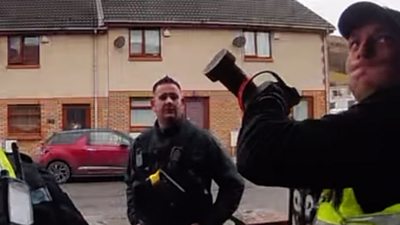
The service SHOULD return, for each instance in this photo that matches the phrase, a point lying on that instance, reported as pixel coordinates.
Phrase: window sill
(144, 58)
(23, 66)
(29, 137)
(138, 128)
(255, 59)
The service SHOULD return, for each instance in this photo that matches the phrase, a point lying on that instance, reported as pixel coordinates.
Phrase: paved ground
(103, 202)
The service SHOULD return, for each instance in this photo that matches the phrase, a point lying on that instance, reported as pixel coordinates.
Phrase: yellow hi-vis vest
(349, 212)
(5, 164)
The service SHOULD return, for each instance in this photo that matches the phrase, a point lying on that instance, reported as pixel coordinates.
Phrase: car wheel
(60, 171)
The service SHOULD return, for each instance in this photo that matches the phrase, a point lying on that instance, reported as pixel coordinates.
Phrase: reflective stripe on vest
(349, 212)
(5, 164)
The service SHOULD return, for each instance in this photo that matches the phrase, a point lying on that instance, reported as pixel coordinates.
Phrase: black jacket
(199, 161)
(358, 148)
(51, 205)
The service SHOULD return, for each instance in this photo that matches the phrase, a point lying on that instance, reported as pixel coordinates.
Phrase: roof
(25, 15)
(269, 13)
(48, 14)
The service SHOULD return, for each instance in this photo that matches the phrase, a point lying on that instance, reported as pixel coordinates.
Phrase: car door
(69, 147)
(121, 156)
(105, 152)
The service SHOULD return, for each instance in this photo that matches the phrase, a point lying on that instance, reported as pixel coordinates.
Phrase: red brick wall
(51, 109)
(119, 108)
(319, 102)
(225, 117)
(224, 113)
(3, 119)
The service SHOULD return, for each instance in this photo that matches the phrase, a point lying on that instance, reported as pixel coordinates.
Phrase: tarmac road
(102, 201)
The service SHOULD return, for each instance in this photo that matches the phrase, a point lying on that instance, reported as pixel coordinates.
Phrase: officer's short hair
(165, 80)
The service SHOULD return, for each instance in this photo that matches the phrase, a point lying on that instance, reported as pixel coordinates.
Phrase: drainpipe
(100, 23)
(108, 81)
(95, 79)
(326, 69)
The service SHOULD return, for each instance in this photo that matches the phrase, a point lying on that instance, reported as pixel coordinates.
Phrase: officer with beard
(172, 165)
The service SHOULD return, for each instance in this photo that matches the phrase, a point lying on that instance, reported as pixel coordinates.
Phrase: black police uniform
(357, 148)
(51, 205)
(192, 158)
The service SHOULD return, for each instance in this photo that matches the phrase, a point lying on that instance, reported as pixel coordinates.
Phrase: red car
(86, 152)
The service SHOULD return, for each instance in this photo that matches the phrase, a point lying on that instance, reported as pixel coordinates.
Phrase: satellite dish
(119, 42)
(239, 41)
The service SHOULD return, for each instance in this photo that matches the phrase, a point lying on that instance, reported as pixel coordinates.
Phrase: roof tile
(251, 12)
(45, 14)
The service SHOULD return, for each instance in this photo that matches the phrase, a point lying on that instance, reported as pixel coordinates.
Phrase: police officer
(354, 154)
(171, 167)
(5, 164)
(51, 205)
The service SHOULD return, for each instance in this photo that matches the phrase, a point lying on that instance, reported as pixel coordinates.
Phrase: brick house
(92, 63)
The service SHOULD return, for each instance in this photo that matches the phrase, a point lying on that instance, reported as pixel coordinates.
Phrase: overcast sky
(331, 9)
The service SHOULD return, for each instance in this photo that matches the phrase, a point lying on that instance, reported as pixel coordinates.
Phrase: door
(196, 111)
(76, 116)
(108, 152)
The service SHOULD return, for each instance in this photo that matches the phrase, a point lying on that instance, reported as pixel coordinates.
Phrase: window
(107, 138)
(76, 116)
(196, 111)
(258, 44)
(23, 50)
(24, 119)
(64, 138)
(145, 43)
(304, 109)
(141, 113)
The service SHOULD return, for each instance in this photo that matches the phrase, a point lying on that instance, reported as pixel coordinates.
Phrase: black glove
(286, 96)
(290, 94)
